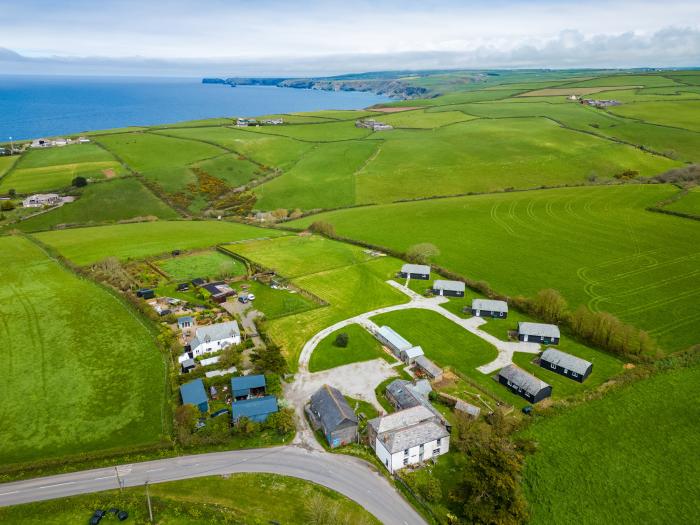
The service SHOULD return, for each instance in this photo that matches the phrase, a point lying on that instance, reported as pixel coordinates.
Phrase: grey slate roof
(401, 419)
(416, 268)
(409, 396)
(467, 408)
(538, 329)
(394, 339)
(490, 305)
(215, 332)
(568, 361)
(453, 286)
(413, 436)
(521, 378)
(427, 365)
(331, 407)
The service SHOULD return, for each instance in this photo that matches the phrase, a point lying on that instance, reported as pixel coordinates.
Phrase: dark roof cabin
(145, 293)
(449, 288)
(187, 365)
(566, 364)
(193, 393)
(524, 384)
(333, 416)
(538, 333)
(415, 271)
(199, 281)
(489, 308)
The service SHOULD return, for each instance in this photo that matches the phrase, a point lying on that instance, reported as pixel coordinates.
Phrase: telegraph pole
(148, 499)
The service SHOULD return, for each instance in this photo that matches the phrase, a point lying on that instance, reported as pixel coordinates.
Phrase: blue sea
(38, 106)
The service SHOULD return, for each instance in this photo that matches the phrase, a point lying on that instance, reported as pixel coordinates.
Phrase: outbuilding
(389, 338)
(415, 271)
(330, 412)
(409, 356)
(193, 393)
(467, 408)
(145, 293)
(185, 322)
(428, 368)
(489, 308)
(199, 281)
(538, 333)
(187, 365)
(245, 387)
(566, 364)
(524, 384)
(256, 409)
(449, 288)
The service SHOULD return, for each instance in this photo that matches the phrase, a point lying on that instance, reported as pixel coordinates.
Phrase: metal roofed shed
(566, 364)
(187, 365)
(449, 288)
(410, 355)
(467, 408)
(415, 271)
(538, 332)
(429, 368)
(334, 416)
(256, 409)
(245, 386)
(489, 308)
(193, 393)
(524, 384)
(388, 337)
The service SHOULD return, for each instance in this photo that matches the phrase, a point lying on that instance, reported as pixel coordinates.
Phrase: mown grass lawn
(276, 303)
(628, 458)
(361, 347)
(205, 264)
(85, 246)
(238, 498)
(82, 372)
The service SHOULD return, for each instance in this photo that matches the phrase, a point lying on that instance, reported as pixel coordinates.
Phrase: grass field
(238, 498)
(204, 264)
(85, 246)
(361, 347)
(681, 114)
(623, 459)
(276, 303)
(598, 246)
(6, 164)
(231, 169)
(688, 203)
(82, 372)
(115, 200)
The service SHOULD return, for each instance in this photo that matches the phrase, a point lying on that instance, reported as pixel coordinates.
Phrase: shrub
(79, 182)
(7, 206)
(322, 228)
(341, 340)
(422, 253)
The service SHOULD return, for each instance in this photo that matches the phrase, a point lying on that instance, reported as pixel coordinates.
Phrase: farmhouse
(566, 364)
(245, 387)
(41, 199)
(330, 412)
(256, 409)
(185, 322)
(193, 393)
(219, 291)
(41, 143)
(389, 338)
(415, 271)
(373, 125)
(403, 395)
(407, 437)
(409, 356)
(428, 368)
(489, 308)
(538, 333)
(212, 338)
(524, 384)
(448, 288)
(273, 121)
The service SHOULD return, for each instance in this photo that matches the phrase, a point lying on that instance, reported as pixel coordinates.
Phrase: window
(552, 366)
(439, 441)
(436, 452)
(405, 452)
(574, 374)
(405, 461)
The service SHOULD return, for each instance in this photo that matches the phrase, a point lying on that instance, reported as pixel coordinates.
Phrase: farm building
(389, 338)
(566, 364)
(145, 293)
(489, 308)
(524, 384)
(245, 387)
(409, 356)
(187, 365)
(220, 291)
(213, 338)
(330, 412)
(467, 408)
(193, 393)
(403, 395)
(210, 360)
(198, 282)
(415, 271)
(428, 368)
(183, 287)
(407, 437)
(538, 333)
(41, 199)
(449, 288)
(185, 322)
(256, 409)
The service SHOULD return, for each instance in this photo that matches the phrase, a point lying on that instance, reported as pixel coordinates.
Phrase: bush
(282, 422)
(342, 340)
(422, 253)
(323, 228)
(7, 206)
(79, 182)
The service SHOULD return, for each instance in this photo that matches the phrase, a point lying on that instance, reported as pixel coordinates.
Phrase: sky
(316, 38)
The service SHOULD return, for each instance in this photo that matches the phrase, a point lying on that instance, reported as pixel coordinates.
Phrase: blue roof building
(244, 386)
(193, 393)
(256, 409)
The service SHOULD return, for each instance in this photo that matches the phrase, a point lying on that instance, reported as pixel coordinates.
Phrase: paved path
(350, 476)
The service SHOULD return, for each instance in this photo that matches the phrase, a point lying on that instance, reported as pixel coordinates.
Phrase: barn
(566, 364)
(193, 393)
(389, 338)
(547, 334)
(331, 413)
(409, 356)
(489, 308)
(415, 271)
(449, 288)
(524, 384)
(256, 409)
(245, 387)
(428, 368)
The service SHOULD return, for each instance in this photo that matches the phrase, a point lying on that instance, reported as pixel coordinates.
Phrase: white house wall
(394, 462)
(215, 346)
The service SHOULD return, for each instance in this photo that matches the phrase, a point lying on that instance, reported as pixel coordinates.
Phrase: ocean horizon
(40, 106)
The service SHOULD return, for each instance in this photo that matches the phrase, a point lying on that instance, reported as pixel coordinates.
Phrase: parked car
(243, 299)
(251, 297)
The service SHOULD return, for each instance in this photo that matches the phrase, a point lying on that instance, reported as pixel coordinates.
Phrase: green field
(688, 203)
(627, 458)
(361, 347)
(115, 200)
(231, 169)
(205, 264)
(276, 303)
(55, 168)
(238, 498)
(85, 246)
(598, 246)
(82, 372)
(681, 114)
(6, 163)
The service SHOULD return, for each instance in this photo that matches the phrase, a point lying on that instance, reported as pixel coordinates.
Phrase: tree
(270, 359)
(550, 305)
(7, 206)
(230, 357)
(79, 182)
(282, 421)
(12, 193)
(431, 489)
(185, 417)
(323, 228)
(341, 340)
(422, 253)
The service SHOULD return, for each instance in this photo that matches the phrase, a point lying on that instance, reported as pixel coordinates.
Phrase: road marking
(57, 485)
(155, 469)
(105, 477)
(8, 493)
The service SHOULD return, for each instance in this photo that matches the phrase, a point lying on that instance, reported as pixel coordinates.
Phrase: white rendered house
(212, 338)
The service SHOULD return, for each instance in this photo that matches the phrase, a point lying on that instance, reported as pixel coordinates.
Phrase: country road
(347, 475)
